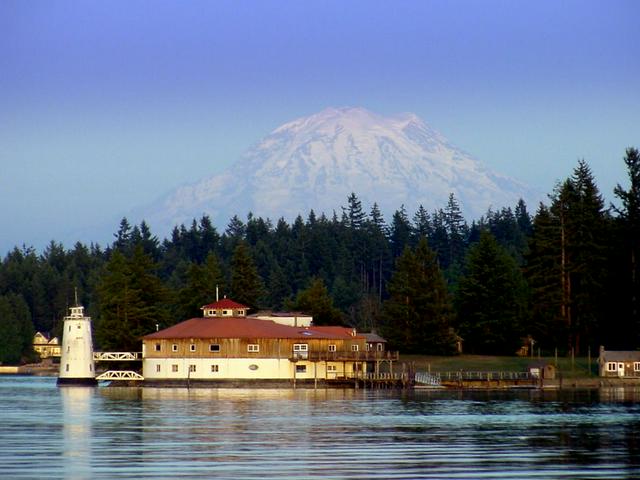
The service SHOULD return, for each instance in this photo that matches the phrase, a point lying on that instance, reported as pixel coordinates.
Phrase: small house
(46, 347)
(541, 370)
(619, 363)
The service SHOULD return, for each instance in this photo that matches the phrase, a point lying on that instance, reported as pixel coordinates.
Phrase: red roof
(225, 303)
(245, 327)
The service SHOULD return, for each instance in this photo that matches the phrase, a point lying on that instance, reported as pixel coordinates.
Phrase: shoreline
(39, 370)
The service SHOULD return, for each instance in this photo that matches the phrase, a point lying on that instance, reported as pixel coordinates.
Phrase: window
(79, 326)
(174, 347)
(157, 347)
(636, 366)
(300, 350)
(611, 367)
(214, 347)
(69, 327)
(174, 368)
(90, 368)
(66, 369)
(192, 368)
(354, 348)
(332, 348)
(253, 347)
(214, 368)
(158, 368)
(331, 368)
(225, 312)
(301, 369)
(380, 347)
(192, 347)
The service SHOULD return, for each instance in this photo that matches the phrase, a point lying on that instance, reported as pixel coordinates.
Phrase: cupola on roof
(224, 308)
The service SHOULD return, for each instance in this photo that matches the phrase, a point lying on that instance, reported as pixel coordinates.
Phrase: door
(620, 369)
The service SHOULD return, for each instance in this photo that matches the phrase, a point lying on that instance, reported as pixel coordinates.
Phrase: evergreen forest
(564, 275)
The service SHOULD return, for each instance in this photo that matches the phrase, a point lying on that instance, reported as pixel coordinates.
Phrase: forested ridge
(565, 275)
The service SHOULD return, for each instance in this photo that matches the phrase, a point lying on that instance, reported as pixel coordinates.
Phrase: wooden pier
(475, 379)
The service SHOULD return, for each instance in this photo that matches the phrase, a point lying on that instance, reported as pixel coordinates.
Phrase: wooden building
(226, 345)
(619, 363)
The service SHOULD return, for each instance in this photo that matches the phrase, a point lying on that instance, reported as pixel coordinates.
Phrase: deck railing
(349, 356)
(464, 375)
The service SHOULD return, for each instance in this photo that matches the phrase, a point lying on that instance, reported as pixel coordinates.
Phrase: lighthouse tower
(76, 361)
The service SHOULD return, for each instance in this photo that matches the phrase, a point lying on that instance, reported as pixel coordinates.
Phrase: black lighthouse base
(77, 382)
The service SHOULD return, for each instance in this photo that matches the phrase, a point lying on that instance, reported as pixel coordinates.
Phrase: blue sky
(105, 106)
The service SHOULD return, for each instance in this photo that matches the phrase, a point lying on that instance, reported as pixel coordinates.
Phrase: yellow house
(226, 345)
(44, 347)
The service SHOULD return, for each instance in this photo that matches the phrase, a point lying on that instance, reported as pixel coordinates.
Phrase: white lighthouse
(76, 360)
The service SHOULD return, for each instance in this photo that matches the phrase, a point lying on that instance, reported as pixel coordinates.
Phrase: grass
(488, 363)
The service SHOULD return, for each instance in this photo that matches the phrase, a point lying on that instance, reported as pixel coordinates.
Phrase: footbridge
(118, 375)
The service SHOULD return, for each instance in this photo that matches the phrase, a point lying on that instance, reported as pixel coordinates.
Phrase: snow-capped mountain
(315, 162)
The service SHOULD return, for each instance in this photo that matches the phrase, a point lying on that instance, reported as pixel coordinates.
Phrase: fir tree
(400, 234)
(417, 316)
(132, 301)
(629, 219)
(16, 330)
(316, 301)
(204, 282)
(246, 284)
(490, 299)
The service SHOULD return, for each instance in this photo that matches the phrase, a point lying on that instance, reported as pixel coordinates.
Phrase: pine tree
(421, 225)
(491, 300)
(417, 316)
(246, 284)
(204, 282)
(568, 260)
(354, 212)
(123, 237)
(543, 273)
(629, 219)
(400, 234)
(16, 330)
(316, 301)
(587, 225)
(132, 301)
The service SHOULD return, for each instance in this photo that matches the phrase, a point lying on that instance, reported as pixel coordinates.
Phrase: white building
(77, 366)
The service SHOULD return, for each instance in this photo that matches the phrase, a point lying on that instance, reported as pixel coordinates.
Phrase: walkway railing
(424, 378)
(116, 356)
(120, 375)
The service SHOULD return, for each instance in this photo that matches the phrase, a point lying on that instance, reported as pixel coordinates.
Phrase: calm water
(50, 432)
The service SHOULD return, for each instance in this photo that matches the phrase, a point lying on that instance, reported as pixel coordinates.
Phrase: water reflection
(307, 434)
(76, 406)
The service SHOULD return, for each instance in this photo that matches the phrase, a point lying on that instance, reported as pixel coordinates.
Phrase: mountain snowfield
(315, 162)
